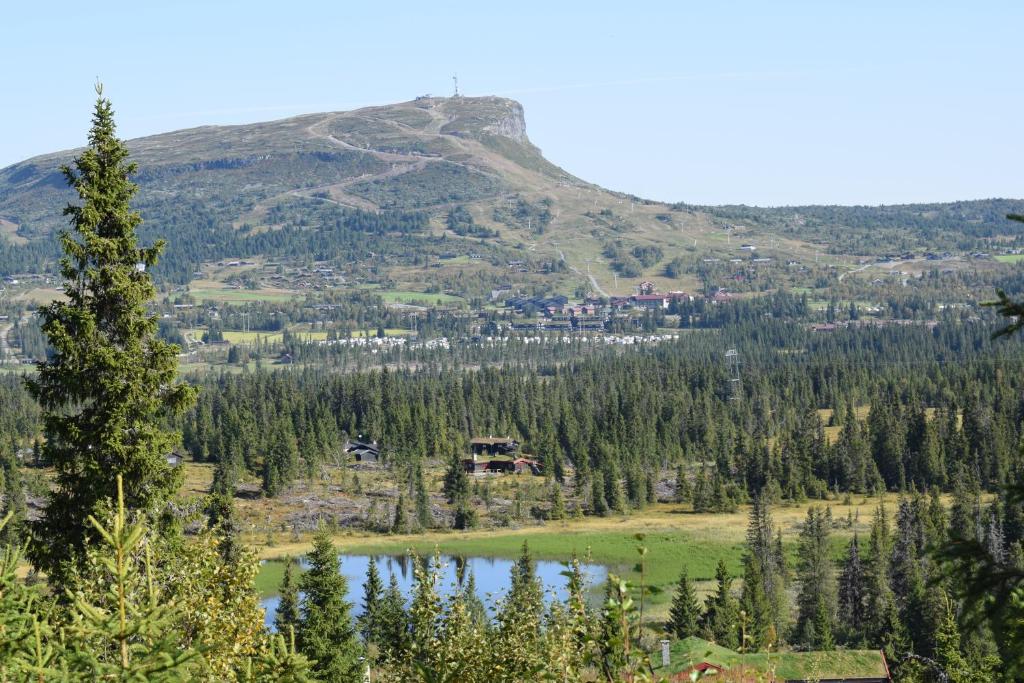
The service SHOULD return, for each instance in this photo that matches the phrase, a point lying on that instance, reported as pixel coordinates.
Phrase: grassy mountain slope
(221, 191)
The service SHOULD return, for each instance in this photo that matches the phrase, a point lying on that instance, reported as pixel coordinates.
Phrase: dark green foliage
(684, 615)
(460, 221)
(287, 616)
(885, 229)
(424, 519)
(456, 481)
(326, 634)
(816, 602)
(399, 525)
(764, 584)
(853, 596)
(14, 507)
(557, 511)
(720, 623)
(391, 628)
(437, 183)
(110, 383)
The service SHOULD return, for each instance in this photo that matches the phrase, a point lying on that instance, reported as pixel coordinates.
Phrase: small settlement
(556, 313)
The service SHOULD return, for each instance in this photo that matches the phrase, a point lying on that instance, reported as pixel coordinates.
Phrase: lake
(491, 575)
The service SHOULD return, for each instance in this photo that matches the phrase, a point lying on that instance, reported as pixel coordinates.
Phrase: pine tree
(392, 623)
(424, 520)
(683, 491)
(287, 616)
(557, 511)
(24, 627)
(947, 647)
(465, 516)
(883, 623)
(424, 612)
(684, 615)
(853, 596)
(816, 601)
(221, 517)
(519, 621)
(613, 492)
(373, 590)
(456, 481)
(326, 634)
(399, 525)
(766, 605)
(598, 503)
(721, 612)
(119, 638)
(474, 605)
(109, 384)
(15, 507)
(754, 603)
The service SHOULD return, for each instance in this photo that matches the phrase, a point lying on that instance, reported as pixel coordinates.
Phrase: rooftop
(846, 665)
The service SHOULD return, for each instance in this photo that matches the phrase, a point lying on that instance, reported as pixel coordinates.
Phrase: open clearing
(240, 295)
(675, 538)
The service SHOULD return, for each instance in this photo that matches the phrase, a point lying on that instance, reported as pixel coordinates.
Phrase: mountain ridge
(464, 172)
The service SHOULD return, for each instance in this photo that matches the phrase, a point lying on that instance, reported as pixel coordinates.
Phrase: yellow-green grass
(674, 536)
(40, 295)
(252, 336)
(241, 295)
(388, 332)
(1009, 258)
(784, 665)
(9, 231)
(409, 297)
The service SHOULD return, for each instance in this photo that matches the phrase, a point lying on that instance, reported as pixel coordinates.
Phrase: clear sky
(706, 102)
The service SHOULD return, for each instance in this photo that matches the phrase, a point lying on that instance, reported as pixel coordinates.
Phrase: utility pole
(732, 359)
(455, 79)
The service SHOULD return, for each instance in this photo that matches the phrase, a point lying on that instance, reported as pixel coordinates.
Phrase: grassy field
(408, 297)
(674, 536)
(785, 665)
(1009, 258)
(241, 295)
(239, 337)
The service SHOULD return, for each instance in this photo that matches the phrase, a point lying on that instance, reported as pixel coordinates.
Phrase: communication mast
(455, 80)
(732, 360)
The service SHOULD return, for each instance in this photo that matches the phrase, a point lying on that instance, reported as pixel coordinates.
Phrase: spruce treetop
(110, 382)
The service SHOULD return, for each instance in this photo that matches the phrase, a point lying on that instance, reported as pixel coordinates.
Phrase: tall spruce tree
(766, 603)
(287, 616)
(373, 590)
(424, 520)
(392, 623)
(816, 602)
(326, 633)
(853, 596)
(720, 616)
(456, 481)
(109, 385)
(684, 615)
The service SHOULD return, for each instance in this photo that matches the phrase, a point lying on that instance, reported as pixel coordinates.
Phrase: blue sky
(707, 102)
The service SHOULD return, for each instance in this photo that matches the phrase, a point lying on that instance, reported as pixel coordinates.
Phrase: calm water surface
(491, 575)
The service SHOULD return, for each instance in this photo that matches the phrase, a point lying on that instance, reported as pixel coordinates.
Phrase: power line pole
(732, 359)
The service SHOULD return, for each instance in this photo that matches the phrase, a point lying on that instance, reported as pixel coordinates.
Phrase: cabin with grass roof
(712, 662)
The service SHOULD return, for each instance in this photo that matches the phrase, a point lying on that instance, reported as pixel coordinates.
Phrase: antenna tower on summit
(455, 79)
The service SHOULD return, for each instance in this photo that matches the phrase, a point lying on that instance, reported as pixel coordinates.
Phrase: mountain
(452, 184)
